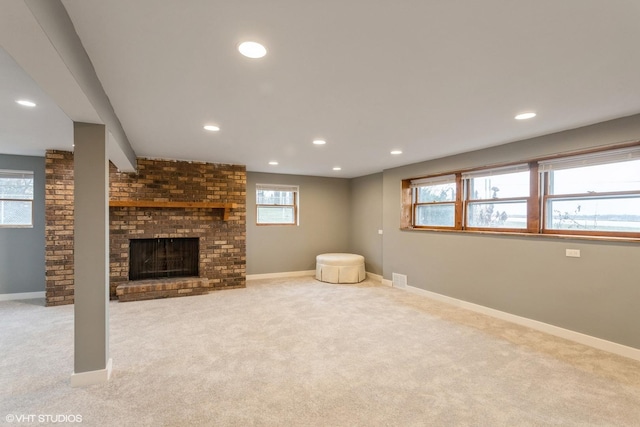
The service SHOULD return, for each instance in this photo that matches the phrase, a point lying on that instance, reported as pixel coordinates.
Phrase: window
(497, 198)
(276, 204)
(16, 198)
(593, 194)
(434, 201)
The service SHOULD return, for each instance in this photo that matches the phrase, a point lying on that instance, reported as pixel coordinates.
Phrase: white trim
(600, 344)
(278, 187)
(376, 277)
(22, 295)
(371, 276)
(387, 282)
(495, 171)
(590, 159)
(16, 174)
(92, 377)
(434, 180)
(278, 275)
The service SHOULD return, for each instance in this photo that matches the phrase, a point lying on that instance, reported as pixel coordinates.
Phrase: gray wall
(22, 249)
(366, 219)
(528, 276)
(324, 220)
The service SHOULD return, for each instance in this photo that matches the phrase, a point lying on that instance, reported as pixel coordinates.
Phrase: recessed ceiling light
(337, 168)
(212, 128)
(273, 163)
(26, 103)
(252, 50)
(396, 152)
(319, 141)
(525, 116)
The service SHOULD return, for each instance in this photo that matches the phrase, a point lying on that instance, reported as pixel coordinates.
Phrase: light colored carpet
(298, 352)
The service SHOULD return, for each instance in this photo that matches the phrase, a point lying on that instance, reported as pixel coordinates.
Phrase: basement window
(497, 198)
(592, 194)
(435, 201)
(595, 193)
(16, 199)
(276, 204)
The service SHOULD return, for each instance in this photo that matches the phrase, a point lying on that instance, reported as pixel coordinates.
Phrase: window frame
(284, 188)
(610, 156)
(11, 173)
(537, 201)
(479, 173)
(436, 180)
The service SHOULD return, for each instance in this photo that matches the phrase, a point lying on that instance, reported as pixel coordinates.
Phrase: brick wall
(222, 243)
(58, 207)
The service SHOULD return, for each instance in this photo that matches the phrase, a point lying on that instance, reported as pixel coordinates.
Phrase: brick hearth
(162, 288)
(222, 242)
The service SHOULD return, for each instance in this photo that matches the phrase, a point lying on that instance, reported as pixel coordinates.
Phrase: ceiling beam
(41, 38)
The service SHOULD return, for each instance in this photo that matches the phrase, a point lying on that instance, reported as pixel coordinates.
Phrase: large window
(276, 204)
(592, 194)
(589, 194)
(16, 198)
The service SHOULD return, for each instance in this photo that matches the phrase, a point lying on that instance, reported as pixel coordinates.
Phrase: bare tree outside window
(276, 204)
(16, 198)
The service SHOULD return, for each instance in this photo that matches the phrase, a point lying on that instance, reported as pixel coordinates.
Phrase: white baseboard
(600, 344)
(280, 275)
(22, 295)
(372, 276)
(92, 377)
(376, 277)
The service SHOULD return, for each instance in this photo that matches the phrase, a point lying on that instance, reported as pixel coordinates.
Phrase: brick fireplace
(164, 257)
(178, 190)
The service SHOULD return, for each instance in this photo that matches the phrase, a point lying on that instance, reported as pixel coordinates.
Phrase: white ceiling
(29, 131)
(428, 77)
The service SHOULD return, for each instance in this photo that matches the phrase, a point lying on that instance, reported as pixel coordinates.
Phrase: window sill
(524, 234)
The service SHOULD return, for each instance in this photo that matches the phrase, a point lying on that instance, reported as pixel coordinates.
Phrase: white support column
(91, 255)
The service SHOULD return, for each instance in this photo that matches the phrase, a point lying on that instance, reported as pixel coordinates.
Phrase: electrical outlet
(379, 231)
(573, 253)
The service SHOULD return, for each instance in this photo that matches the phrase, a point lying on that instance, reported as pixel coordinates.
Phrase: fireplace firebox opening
(163, 257)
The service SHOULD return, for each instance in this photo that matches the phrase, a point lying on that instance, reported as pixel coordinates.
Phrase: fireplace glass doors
(161, 258)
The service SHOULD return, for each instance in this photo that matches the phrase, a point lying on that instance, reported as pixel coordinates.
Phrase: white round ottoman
(340, 268)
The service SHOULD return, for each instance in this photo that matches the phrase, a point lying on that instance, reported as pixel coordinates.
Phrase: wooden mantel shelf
(154, 204)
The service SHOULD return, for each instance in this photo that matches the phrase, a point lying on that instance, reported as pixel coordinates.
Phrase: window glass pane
(500, 186)
(15, 212)
(268, 197)
(275, 215)
(437, 193)
(622, 176)
(497, 215)
(605, 214)
(442, 215)
(16, 188)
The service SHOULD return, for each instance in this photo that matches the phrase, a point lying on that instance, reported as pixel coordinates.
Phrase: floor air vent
(399, 280)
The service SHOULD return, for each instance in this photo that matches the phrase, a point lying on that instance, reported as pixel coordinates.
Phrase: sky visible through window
(501, 186)
(612, 213)
(622, 176)
(600, 197)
